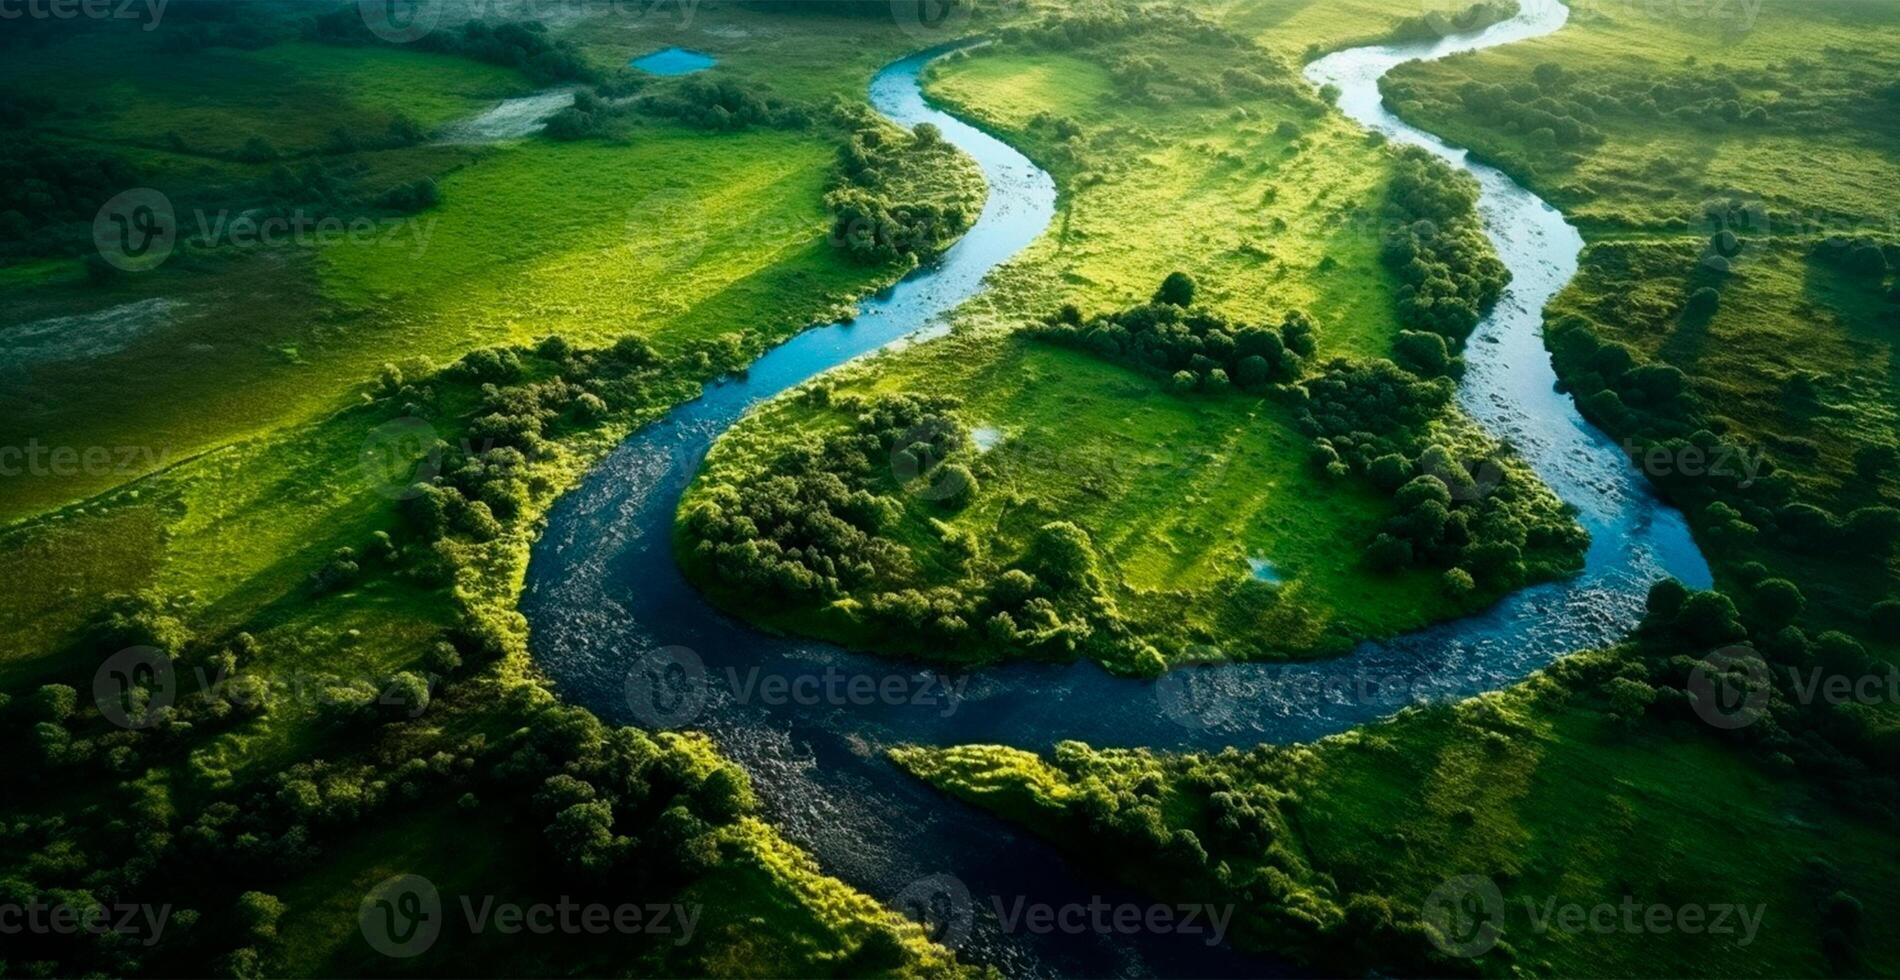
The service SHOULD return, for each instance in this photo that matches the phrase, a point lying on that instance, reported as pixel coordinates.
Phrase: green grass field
(235, 394)
(1264, 220)
(1536, 788)
(1271, 206)
(244, 395)
(1796, 362)
(672, 233)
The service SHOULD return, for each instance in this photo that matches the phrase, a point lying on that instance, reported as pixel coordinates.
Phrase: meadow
(260, 554)
(336, 589)
(257, 338)
(1729, 177)
(1219, 537)
(1340, 851)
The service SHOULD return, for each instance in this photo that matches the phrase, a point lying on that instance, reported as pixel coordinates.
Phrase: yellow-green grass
(1650, 170)
(1178, 492)
(701, 233)
(678, 235)
(1214, 191)
(1639, 195)
(1549, 799)
(1294, 29)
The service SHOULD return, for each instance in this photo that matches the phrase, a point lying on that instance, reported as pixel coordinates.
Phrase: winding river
(608, 607)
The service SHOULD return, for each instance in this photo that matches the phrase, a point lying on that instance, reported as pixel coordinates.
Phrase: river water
(610, 612)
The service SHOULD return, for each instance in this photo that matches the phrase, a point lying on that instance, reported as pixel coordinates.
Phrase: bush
(1170, 340)
(1702, 304)
(1176, 290)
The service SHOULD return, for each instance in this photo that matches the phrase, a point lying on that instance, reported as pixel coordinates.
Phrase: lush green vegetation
(1298, 30)
(319, 468)
(669, 216)
(1291, 427)
(1590, 782)
(1733, 324)
(353, 698)
(1733, 319)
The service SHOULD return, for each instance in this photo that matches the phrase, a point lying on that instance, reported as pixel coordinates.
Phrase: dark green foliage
(1473, 514)
(1702, 304)
(723, 105)
(1436, 24)
(1451, 276)
(420, 195)
(653, 804)
(810, 531)
(1426, 355)
(1885, 617)
(1176, 290)
(523, 45)
(1863, 258)
(47, 191)
(876, 216)
(818, 525)
(1168, 339)
(1776, 601)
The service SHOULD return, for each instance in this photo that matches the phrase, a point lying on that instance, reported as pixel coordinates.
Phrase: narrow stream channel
(603, 592)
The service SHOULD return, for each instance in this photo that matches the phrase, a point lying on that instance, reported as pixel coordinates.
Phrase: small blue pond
(674, 61)
(1264, 570)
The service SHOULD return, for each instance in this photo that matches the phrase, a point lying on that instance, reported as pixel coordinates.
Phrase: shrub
(1176, 290)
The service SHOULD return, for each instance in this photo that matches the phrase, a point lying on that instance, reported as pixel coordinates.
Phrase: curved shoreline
(603, 592)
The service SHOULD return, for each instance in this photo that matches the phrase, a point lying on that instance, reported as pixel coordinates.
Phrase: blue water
(603, 591)
(1264, 570)
(674, 61)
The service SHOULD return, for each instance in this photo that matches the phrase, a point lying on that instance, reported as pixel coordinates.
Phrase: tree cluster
(1433, 25)
(723, 105)
(44, 187)
(1450, 276)
(1193, 347)
(525, 46)
(821, 528)
(891, 200)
